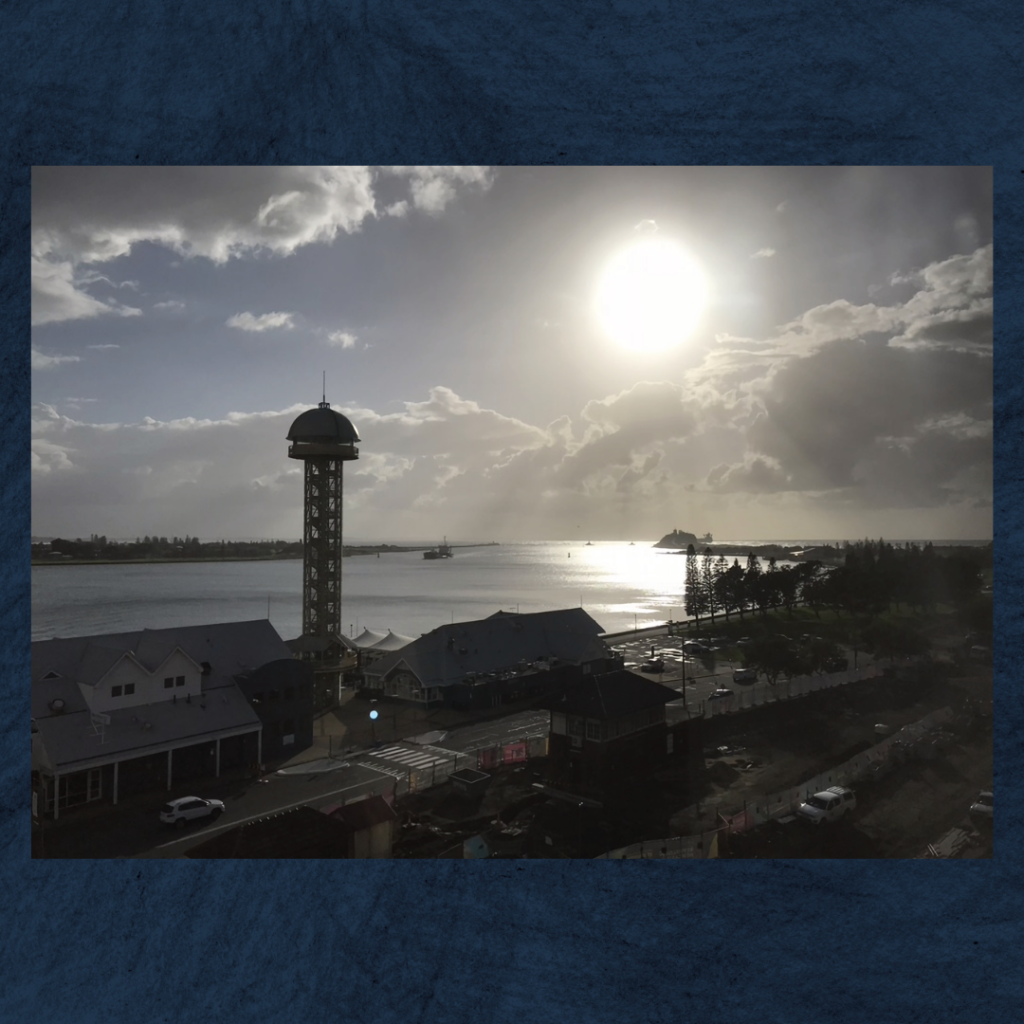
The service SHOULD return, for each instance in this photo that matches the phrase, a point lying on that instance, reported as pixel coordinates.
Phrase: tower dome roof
(323, 425)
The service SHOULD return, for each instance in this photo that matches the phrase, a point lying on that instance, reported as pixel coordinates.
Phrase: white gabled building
(122, 713)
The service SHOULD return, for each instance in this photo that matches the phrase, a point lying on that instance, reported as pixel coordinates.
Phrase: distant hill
(681, 539)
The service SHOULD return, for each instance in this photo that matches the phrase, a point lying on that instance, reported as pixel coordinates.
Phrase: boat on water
(443, 550)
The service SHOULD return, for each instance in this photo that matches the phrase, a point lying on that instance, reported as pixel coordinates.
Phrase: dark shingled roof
(611, 695)
(504, 640)
(364, 814)
(323, 426)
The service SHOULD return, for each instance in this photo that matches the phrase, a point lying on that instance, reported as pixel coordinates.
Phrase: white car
(829, 805)
(180, 812)
(982, 807)
(721, 694)
(744, 675)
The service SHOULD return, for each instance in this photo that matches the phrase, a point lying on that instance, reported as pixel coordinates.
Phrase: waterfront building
(486, 662)
(118, 714)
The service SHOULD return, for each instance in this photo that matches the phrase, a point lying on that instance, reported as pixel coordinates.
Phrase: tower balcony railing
(304, 450)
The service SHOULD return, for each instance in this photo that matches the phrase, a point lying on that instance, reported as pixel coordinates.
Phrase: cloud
(646, 227)
(45, 362)
(265, 322)
(763, 254)
(169, 305)
(432, 189)
(342, 339)
(101, 348)
(57, 295)
(86, 216)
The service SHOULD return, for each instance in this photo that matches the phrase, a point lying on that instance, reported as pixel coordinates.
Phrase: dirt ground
(896, 817)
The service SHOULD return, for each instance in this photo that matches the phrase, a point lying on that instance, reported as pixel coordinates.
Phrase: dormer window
(179, 680)
(116, 691)
(129, 689)
(168, 682)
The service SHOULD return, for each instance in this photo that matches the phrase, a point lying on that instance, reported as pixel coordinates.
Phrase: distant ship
(680, 539)
(441, 551)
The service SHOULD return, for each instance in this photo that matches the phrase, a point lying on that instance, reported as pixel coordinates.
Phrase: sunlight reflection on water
(617, 583)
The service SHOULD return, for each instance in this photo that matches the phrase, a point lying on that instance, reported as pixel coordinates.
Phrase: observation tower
(324, 440)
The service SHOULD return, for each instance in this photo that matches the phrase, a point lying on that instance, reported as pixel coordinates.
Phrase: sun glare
(650, 296)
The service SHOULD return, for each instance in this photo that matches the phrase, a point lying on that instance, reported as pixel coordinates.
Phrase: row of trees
(98, 547)
(714, 587)
(874, 577)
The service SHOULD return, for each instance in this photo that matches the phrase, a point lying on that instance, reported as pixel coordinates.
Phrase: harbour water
(621, 585)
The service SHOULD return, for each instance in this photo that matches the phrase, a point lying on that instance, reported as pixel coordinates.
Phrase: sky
(802, 353)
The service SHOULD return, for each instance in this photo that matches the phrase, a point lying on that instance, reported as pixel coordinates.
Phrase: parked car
(178, 813)
(981, 809)
(829, 805)
(654, 665)
(692, 647)
(721, 693)
(744, 675)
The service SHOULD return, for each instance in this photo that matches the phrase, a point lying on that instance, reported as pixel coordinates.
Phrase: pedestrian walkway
(410, 756)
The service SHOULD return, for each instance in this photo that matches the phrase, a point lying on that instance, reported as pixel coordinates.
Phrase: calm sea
(619, 584)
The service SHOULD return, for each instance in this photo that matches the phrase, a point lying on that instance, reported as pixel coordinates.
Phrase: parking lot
(704, 678)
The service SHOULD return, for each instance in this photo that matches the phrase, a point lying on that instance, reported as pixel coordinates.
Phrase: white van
(744, 675)
(828, 805)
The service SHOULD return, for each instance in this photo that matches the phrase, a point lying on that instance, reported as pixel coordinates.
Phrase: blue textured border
(506, 81)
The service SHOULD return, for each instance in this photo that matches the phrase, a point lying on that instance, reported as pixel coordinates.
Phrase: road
(134, 830)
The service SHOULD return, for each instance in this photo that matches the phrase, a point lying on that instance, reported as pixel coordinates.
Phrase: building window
(129, 688)
(168, 682)
(558, 723)
(593, 729)
(115, 691)
(179, 680)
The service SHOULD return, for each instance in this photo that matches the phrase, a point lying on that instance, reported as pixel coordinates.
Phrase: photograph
(608, 512)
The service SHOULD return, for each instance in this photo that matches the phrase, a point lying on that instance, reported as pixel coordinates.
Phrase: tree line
(874, 576)
(98, 547)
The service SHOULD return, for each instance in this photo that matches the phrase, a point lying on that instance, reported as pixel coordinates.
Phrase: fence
(915, 738)
(799, 686)
(483, 759)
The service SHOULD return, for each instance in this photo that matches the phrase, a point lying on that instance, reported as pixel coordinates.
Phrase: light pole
(373, 725)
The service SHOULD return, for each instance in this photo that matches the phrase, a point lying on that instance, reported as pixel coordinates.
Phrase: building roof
(502, 642)
(374, 641)
(611, 695)
(72, 741)
(364, 814)
(323, 425)
(299, 833)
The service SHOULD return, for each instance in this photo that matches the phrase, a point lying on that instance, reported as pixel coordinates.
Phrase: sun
(650, 296)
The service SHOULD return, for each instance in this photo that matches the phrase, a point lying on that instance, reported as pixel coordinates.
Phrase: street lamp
(373, 725)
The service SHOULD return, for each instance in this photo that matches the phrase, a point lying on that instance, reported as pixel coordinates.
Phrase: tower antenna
(325, 387)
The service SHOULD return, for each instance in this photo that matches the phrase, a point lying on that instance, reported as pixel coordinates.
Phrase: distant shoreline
(347, 552)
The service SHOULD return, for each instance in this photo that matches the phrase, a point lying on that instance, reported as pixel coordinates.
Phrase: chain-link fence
(920, 738)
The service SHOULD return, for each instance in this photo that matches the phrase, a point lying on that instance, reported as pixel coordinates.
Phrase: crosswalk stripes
(412, 758)
(378, 767)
